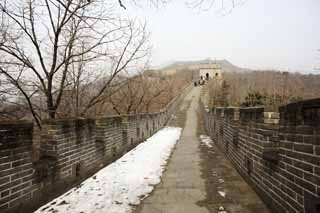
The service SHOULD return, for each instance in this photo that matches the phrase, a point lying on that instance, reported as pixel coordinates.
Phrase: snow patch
(206, 140)
(221, 180)
(223, 194)
(122, 184)
(222, 210)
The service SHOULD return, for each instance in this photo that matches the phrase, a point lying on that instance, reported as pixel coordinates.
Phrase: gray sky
(261, 34)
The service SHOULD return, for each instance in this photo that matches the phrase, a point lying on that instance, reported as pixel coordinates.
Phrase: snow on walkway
(122, 184)
(206, 140)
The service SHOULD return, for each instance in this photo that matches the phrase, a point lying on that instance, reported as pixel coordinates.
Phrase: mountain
(229, 67)
(224, 64)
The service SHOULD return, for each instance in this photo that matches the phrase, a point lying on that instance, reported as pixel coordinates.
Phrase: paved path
(189, 180)
(181, 187)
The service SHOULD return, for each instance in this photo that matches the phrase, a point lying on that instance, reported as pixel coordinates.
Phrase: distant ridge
(225, 65)
(229, 67)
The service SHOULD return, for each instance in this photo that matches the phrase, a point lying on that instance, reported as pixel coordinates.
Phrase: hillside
(229, 67)
(271, 88)
(225, 65)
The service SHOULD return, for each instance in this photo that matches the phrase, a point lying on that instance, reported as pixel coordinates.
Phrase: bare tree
(142, 3)
(220, 7)
(140, 93)
(277, 88)
(42, 40)
(128, 98)
(160, 94)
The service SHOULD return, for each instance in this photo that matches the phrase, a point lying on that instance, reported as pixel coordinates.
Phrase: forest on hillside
(269, 88)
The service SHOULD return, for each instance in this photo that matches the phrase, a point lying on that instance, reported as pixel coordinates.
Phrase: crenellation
(70, 150)
(278, 153)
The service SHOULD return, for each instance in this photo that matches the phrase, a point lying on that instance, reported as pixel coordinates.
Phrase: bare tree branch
(44, 42)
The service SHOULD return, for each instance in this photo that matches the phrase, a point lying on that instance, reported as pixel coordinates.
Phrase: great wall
(278, 154)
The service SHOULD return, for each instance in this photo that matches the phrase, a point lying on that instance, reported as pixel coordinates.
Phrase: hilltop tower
(211, 68)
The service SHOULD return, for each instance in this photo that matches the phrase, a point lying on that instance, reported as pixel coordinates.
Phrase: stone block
(301, 113)
(271, 154)
(306, 148)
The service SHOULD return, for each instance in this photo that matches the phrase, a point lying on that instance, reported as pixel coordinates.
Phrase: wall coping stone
(303, 112)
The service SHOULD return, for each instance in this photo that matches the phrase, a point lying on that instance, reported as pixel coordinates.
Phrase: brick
(306, 148)
(22, 174)
(300, 199)
(317, 150)
(286, 144)
(293, 154)
(22, 150)
(279, 192)
(4, 207)
(25, 167)
(294, 138)
(4, 180)
(9, 198)
(294, 171)
(312, 159)
(312, 178)
(287, 129)
(278, 177)
(9, 172)
(5, 166)
(294, 187)
(20, 187)
(306, 185)
(305, 130)
(317, 170)
(311, 139)
(4, 193)
(303, 166)
(287, 175)
(288, 191)
(267, 183)
(295, 204)
(282, 137)
(286, 208)
(6, 159)
(9, 185)
(287, 160)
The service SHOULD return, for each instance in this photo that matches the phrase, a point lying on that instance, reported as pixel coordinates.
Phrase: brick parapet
(278, 155)
(70, 151)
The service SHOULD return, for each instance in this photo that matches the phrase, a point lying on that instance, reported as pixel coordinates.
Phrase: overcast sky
(261, 34)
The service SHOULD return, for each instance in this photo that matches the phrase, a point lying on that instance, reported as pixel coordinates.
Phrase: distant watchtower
(211, 69)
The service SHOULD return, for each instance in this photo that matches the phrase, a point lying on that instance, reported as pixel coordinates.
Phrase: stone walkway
(183, 185)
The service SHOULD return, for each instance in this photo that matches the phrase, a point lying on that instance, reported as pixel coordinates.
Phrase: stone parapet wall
(70, 151)
(278, 154)
(16, 168)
